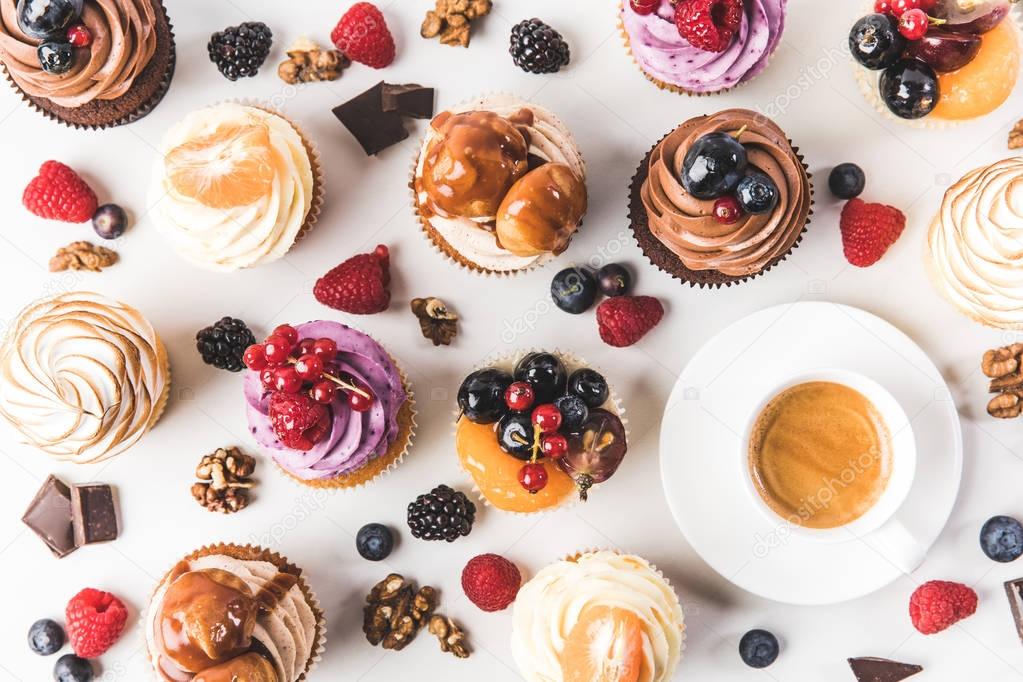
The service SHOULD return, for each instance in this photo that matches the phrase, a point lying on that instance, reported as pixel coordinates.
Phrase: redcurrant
(928, 5)
(519, 396)
(554, 445)
(727, 210)
(357, 401)
(883, 6)
(547, 417)
(309, 367)
(288, 380)
(533, 477)
(276, 349)
(305, 347)
(79, 35)
(644, 6)
(324, 391)
(288, 332)
(325, 349)
(900, 7)
(268, 377)
(914, 24)
(254, 357)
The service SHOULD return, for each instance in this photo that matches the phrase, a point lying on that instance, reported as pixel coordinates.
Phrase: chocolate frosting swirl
(123, 42)
(686, 225)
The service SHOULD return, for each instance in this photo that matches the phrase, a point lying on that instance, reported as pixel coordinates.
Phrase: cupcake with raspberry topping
(328, 404)
(702, 47)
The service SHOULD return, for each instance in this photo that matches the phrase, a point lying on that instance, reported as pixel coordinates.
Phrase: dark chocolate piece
(93, 514)
(412, 100)
(374, 128)
(49, 515)
(1014, 590)
(881, 670)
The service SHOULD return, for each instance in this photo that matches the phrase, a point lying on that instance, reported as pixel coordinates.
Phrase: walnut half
(451, 637)
(1004, 366)
(223, 480)
(1016, 136)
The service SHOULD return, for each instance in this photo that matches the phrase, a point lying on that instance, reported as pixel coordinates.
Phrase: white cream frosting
(549, 606)
(245, 236)
(976, 245)
(83, 376)
(549, 139)
(288, 631)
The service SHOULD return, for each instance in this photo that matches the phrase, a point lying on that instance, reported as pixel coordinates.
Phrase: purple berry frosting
(664, 55)
(355, 438)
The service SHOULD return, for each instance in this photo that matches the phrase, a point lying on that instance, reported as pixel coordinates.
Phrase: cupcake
(538, 430)
(973, 245)
(329, 404)
(935, 74)
(709, 47)
(83, 377)
(88, 63)
(499, 185)
(721, 199)
(235, 187)
(227, 612)
(597, 616)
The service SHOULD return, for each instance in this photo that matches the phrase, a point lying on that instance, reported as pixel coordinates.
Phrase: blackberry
(442, 514)
(222, 344)
(538, 48)
(239, 51)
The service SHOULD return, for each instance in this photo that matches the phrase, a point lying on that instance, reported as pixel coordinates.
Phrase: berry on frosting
(709, 24)
(491, 582)
(533, 477)
(624, 320)
(359, 285)
(79, 35)
(869, 230)
(59, 193)
(939, 604)
(299, 421)
(94, 622)
(644, 6)
(362, 35)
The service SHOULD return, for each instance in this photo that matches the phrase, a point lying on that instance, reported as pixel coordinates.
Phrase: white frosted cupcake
(499, 184)
(235, 187)
(596, 616)
(83, 377)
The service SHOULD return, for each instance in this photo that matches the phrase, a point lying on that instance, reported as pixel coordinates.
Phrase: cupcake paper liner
(254, 553)
(668, 262)
(510, 359)
(165, 31)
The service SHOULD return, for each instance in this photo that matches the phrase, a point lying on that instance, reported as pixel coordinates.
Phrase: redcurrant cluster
(547, 441)
(289, 365)
(914, 21)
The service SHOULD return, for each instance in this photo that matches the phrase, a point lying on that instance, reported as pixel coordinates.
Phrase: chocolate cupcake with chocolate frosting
(115, 69)
(686, 237)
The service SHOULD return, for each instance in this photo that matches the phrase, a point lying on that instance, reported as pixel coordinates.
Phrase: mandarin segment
(605, 645)
(230, 167)
(985, 83)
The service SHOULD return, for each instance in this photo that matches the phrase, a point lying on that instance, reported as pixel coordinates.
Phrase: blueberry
(110, 221)
(574, 290)
(614, 280)
(574, 412)
(374, 542)
(847, 181)
(42, 19)
(45, 637)
(758, 648)
(481, 395)
(546, 373)
(757, 193)
(71, 668)
(1001, 538)
(875, 41)
(589, 385)
(910, 89)
(515, 435)
(713, 166)
(56, 58)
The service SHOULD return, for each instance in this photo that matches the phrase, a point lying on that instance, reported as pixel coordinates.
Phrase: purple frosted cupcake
(341, 428)
(730, 41)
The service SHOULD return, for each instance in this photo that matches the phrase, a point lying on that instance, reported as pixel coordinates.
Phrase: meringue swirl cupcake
(973, 245)
(680, 233)
(672, 63)
(235, 187)
(118, 78)
(595, 616)
(84, 377)
(228, 612)
(499, 185)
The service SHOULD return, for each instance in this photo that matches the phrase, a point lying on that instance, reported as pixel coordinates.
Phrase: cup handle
(899, 546)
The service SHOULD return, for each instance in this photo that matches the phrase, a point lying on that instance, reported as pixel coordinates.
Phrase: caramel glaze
(541, 211)
(205, 624)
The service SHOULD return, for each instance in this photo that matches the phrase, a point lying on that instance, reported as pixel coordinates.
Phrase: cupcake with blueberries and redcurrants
(328, 403)
(721, 199)
(702, 47)
(937, 62)
(537, 431)
(88, 63)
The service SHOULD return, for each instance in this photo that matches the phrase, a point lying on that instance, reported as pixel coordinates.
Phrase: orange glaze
(605, 645)
(496, 473)
(984, 84)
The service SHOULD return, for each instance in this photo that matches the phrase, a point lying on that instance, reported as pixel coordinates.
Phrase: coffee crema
(820, 455)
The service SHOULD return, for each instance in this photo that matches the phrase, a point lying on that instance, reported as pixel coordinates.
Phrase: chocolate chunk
(881, 670)
(410, 100)
(93, 514)
(374, 128)
(49, 515)
(1014, 590)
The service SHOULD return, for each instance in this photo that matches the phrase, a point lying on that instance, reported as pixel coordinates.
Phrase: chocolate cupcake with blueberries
(721, 199)
(88, 63)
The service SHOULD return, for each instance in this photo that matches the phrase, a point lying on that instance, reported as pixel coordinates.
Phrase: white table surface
(617, 116)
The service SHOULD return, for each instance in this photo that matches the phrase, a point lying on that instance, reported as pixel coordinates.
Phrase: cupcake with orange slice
(935, 63)
(598, 616)
(538, 430)
(235, 187)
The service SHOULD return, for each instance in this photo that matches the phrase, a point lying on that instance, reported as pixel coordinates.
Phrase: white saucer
(700, 445)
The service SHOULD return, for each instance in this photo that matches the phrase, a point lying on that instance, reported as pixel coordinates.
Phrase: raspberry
(709, 24)
(624, 320)
(362, 35)
(298, 420)
(94, 621)
(939, 604)
(359, 285)
(491, 582)
(869, 230)
(58, 193)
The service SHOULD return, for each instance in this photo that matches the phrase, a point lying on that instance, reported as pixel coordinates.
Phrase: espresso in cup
(820, 454)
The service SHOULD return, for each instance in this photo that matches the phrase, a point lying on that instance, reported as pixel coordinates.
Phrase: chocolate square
(93, 514)
(49, 516)
(412, 100)
(881, 670)
(1014, 590)
(374, 128)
